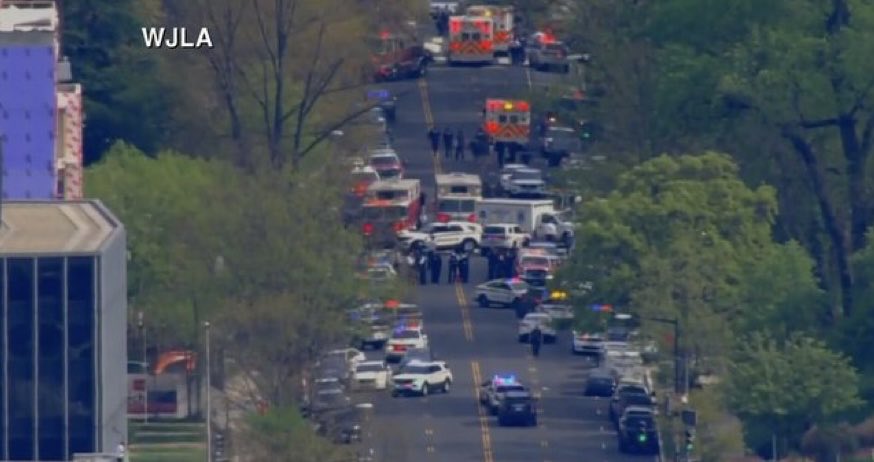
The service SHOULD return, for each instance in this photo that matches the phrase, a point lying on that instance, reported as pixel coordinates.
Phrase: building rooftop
(26, 16)
(55, 227)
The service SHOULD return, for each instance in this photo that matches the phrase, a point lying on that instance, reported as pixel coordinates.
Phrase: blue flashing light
(504, 379)
(378, 94)
(598, 308)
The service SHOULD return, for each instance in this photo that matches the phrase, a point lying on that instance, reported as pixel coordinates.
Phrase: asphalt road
(477, 342)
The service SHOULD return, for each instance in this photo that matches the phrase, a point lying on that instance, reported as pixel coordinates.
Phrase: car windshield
(526, 175)
(385, 213)
(414, 369)
(506, 388)
(406, 334)
(639, 421)
(370, 368)
(534, 261)
(637, 399)
(493, 230)
(536, 273)
(456, 205)
(384, 161)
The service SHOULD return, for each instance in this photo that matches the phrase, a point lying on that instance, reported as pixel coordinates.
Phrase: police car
(492, 391)
(421, 378)
(501, 291)
(403, 338)
(517, 408)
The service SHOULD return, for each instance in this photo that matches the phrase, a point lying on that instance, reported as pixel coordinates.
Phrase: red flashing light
(398, 226)
(443, 217)
(455, 26)
(399, 348)
(360, 189)
(392, 304)
(471, 218)
(547, 38)
(523, 106)
(367, 229)
(384, 35)
(487, 44)
(492, 127)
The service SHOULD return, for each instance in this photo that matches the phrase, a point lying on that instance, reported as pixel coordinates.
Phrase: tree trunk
(856, 178)
(834, 228)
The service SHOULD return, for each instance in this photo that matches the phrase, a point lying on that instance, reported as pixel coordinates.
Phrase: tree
(674, 240)
(282, 69)
(125, 99)
(786, 387)
(284, 436)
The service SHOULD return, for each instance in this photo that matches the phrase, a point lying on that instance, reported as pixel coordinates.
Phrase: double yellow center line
(483, 417)
(429, 116)
(466, 324)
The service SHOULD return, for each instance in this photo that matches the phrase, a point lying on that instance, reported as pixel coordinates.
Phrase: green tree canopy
(787, 386)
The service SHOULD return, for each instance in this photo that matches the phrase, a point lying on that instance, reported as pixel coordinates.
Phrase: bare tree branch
(335, 126)
(262, 30)
(862, 97)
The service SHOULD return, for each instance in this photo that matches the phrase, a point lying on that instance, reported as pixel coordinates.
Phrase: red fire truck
(390, 206)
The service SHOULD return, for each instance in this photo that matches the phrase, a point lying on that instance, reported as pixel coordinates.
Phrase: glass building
(62, 330)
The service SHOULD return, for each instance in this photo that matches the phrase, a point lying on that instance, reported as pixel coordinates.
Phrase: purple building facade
(28, 120)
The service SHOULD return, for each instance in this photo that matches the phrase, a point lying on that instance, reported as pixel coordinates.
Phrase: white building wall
(113, 341)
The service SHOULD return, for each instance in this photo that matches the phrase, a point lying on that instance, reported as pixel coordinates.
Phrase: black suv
(638, 435)
(517, 408)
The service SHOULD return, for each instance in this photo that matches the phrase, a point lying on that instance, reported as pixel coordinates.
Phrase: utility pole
(142, 326)
(206, 327)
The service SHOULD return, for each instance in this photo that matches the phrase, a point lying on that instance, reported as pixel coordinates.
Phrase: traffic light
(690, 439)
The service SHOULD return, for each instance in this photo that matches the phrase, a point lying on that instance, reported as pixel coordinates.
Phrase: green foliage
(785, 386)
(125, 98)
(281, 434)
(674, 239)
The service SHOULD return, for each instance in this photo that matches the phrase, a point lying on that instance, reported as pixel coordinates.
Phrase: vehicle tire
(468, 245)
(483, 301)
(526, 242)
(523, 338)
(426, 389)
(446, 386)
(565, 68)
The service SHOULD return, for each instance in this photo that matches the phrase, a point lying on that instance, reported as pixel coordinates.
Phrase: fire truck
(508, 124)
(390, 206)
(502, 18)
(471, 40)
(398, 57)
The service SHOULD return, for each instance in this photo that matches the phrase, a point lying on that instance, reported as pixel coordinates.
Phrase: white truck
(537, 217)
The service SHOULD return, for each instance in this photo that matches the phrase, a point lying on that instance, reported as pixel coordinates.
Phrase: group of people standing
(427, 260)
(502, 263)
(454, 143)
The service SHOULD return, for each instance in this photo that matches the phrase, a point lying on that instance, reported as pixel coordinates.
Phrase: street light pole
(142, 325)
(208, 397)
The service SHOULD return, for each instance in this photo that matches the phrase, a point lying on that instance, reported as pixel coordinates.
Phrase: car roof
(383, 153)
(559, 128)
(514, 166)
(529, 170)
(371, 363)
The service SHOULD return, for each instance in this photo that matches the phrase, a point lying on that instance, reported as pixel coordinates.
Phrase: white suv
(421, 378)
(501, 291)
(504, 236)
(441, 236)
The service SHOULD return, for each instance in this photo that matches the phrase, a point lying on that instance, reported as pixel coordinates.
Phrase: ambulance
(471, 40)
(507, 123)
(390, 206)
(502, 18)
(456, 196)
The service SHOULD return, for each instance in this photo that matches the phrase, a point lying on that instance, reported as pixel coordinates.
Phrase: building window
(21, 358)
(50, 382)
(81, 348)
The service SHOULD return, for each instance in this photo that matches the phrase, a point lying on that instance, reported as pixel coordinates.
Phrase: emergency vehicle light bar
(504, 379)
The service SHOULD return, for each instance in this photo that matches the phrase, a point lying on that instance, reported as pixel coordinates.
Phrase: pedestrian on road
(464, 267)
(493, 266)
(501, 266)
(459, 145)
(510, 264)
(436, 266)
(447, 143)
(423, 269)
(453, 268)
(536, 338)
(434, 137)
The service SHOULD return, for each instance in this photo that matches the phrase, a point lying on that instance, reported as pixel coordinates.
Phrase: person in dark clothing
(447, 143)
(453, 269)
(499, 152)
(464, 267)
(459, 145)
(422, 264)
(436, 264)
(500, 266)
(493, 266)
(509, 265)
(536, 339)
(434, 137)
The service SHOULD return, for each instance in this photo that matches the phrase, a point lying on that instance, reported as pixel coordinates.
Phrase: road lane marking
(528, 77)
(429, 116)
(483, 418)
(466, 323)
(544, 443)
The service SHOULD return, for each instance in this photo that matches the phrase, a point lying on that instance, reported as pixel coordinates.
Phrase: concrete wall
(113, 339)
(28, 110)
